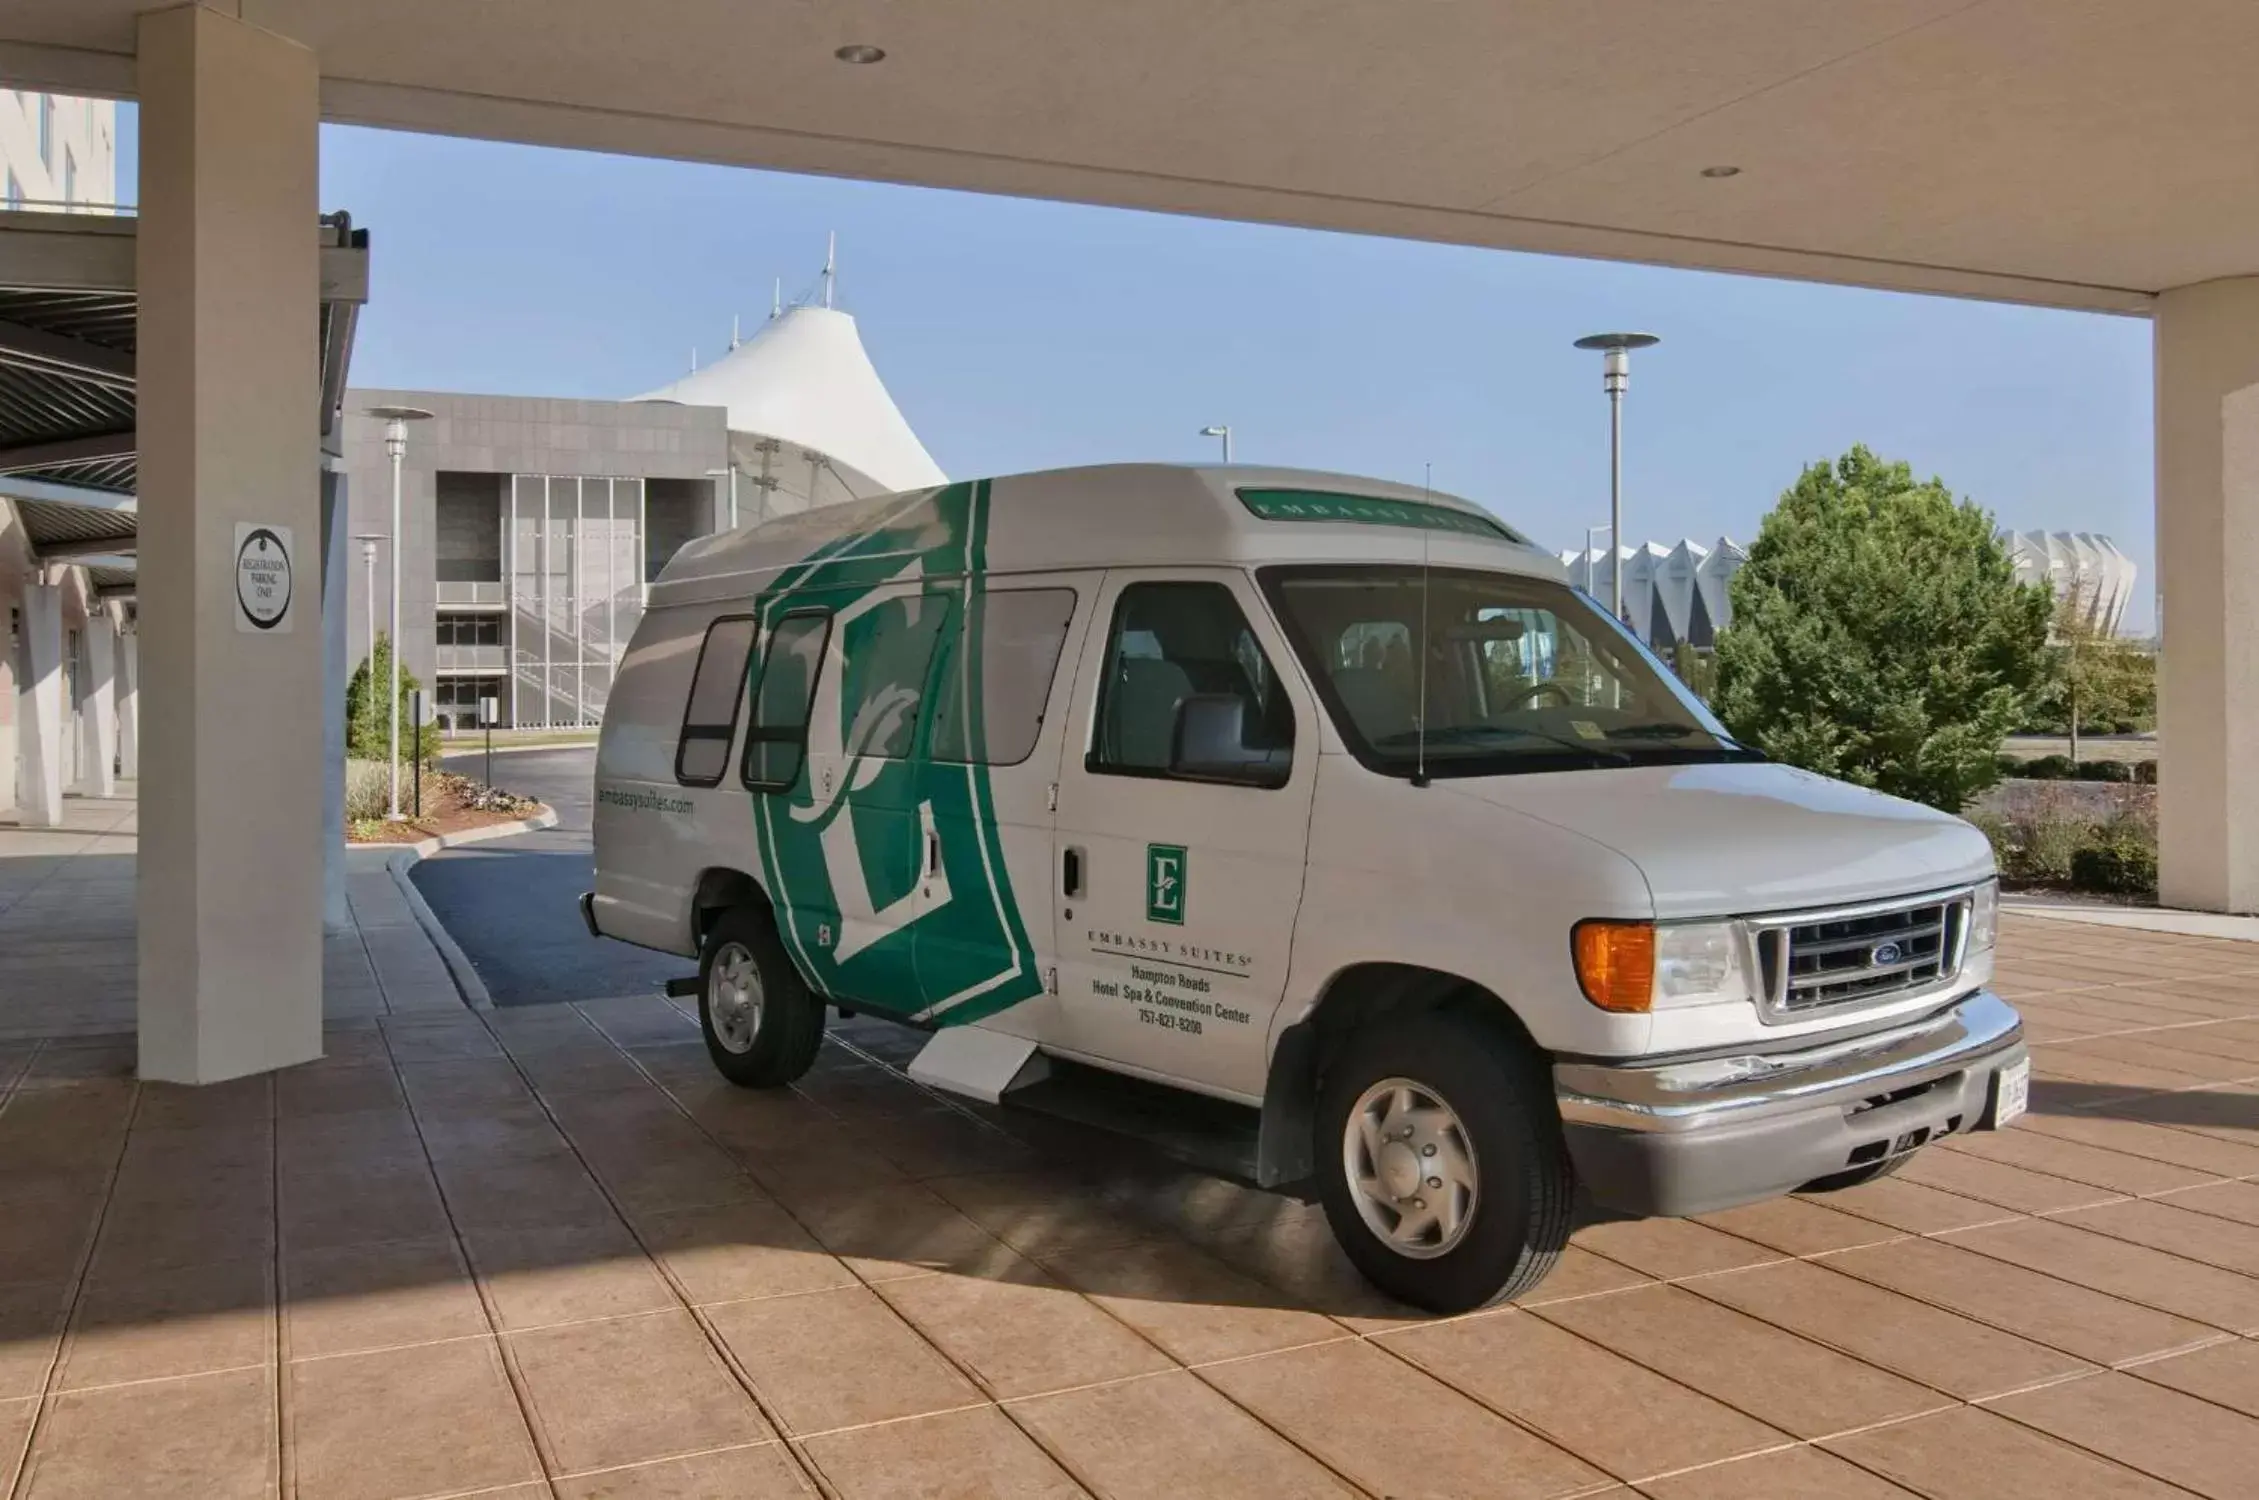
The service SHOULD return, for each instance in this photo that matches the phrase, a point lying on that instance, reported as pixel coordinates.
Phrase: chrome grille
(1814, 961)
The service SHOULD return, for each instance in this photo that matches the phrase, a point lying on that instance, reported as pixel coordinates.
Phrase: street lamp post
(1615, 375)
(1220, 432)
(396, 420)
(1589, 533)
(368, 541)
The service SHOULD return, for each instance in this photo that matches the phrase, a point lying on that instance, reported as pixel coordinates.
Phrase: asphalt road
(513, 904)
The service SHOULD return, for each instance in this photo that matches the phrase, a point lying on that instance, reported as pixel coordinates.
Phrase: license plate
(2012, 1092)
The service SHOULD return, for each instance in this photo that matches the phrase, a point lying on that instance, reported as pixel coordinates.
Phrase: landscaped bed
(2097, 838)
(451, 804)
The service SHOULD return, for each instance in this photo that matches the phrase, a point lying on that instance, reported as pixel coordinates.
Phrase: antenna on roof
(693, 359)
(776, 298)
(734, 340)
(831, 264)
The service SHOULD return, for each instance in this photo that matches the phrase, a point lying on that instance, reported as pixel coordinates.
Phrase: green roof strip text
(1369, 510)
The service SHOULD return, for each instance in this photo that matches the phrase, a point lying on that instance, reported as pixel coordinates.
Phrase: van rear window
(777, 741)
(1371, 510)
(709, 717)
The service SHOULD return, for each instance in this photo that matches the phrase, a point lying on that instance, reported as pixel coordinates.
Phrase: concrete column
(40, 708)
(129, 703)
(337, 575)
(2208, 576)
(101, 704)
(231, 813)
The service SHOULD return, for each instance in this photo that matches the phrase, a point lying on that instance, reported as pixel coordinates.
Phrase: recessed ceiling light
(860, 53)
(1721, 171)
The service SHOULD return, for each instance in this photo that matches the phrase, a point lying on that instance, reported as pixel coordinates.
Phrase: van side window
(778, 740)
(884, 654)
(1172, 640)
(998, 676)
(709, 716)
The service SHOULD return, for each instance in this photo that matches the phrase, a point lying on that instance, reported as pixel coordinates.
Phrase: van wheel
(1851, 1177)
(762, 1025)
(1440, 1162)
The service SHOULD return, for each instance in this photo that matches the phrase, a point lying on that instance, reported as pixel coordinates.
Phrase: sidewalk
(67, 960)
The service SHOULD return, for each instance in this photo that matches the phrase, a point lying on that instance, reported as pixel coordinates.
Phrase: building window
(15, 195)
(47, 132)
(70, 176)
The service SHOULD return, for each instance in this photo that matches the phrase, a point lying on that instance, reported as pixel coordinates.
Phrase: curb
(2140, 918)
(407, 856)
(451, 750)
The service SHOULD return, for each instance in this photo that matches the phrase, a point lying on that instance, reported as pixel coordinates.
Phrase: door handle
(1070, 872)
(933, 851)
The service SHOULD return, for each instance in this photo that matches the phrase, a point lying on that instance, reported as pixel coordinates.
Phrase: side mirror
(1209, 743)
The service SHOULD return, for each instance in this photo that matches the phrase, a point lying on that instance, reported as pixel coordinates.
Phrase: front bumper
(1691, 1136)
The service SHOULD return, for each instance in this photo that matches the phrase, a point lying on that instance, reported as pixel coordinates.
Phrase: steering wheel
(1526, 697)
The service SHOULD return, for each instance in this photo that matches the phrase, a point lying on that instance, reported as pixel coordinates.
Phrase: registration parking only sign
(263, 559)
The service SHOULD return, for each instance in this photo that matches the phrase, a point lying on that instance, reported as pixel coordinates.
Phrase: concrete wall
(471, 434)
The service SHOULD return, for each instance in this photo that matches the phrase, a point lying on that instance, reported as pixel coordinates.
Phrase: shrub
(2104, 770)
(367, 790)
(368, 728)
(2115, 867)
(2048, 768)
(2145, 773)
(1879, 635)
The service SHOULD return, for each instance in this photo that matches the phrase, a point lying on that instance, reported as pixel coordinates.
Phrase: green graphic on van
(885, 866)
(1369, 510)
(1164, 883)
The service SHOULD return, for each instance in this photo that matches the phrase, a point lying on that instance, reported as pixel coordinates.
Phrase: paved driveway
(513, 904)
(545, 1250)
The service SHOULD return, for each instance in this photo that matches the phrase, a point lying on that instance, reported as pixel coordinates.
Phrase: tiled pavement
(67, 964)
(548, 1252)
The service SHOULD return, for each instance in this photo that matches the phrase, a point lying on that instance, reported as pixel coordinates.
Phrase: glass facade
(575, 580)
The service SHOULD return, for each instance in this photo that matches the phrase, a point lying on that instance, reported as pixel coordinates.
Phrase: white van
(1319, 795)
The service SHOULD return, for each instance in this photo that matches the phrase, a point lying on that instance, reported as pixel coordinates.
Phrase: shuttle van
(1321, 796)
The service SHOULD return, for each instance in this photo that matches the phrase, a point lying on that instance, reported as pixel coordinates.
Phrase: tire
(778, 1042)
(1851, 1177)
(1507, 1141)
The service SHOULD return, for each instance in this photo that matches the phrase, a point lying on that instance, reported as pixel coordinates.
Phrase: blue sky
(1019, 335)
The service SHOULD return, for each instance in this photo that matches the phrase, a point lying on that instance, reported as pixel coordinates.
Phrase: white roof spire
(831, 264)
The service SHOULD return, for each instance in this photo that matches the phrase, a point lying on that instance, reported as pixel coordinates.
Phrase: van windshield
(1520, 674)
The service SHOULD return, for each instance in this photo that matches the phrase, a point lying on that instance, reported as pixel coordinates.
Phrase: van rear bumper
(1691, 1136)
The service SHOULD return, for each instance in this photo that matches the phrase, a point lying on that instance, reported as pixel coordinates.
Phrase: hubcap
(733, 998)
(1411, 1168)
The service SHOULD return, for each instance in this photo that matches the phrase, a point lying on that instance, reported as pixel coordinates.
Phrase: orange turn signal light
(1615, 964)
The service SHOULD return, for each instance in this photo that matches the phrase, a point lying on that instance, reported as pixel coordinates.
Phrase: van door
(847, 838)
(991, 761)
(1183, 824)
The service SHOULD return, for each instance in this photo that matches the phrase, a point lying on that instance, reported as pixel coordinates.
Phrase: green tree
(1879, 634)
(368, 728)
(2095, 682)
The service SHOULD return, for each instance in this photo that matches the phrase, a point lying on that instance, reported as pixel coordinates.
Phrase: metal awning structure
(69, 316)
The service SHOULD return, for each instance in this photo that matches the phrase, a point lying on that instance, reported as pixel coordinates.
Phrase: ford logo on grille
(1886, 953)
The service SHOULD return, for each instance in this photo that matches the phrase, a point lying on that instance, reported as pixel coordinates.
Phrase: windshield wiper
(1462, 734)
(1661, 729)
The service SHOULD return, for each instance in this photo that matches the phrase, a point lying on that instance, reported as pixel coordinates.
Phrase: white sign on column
(263, 556)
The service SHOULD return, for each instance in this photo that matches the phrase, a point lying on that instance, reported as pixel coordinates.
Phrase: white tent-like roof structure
(1671, 593)
(810, 421)
(2090, 569)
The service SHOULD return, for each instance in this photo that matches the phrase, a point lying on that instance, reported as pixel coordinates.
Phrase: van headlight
(1638, 967)
(1984, 918)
